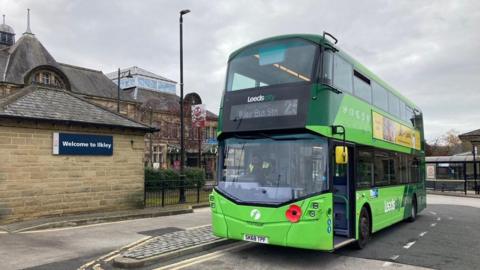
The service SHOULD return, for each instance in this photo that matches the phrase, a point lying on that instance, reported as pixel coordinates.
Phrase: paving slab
(168, 246)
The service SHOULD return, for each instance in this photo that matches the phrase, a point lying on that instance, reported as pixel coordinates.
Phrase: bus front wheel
(363, 228)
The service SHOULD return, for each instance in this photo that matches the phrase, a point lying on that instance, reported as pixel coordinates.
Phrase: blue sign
(211, 141)
(82, 144)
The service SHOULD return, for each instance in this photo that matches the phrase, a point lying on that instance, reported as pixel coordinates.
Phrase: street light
(182, 146)
(121, 75)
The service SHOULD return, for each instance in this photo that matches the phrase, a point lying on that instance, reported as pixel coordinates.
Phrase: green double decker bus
(315, 151)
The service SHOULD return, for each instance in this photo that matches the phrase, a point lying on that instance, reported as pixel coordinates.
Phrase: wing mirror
(341, 155)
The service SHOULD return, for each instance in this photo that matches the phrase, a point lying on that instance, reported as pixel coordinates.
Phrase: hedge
(171, 178)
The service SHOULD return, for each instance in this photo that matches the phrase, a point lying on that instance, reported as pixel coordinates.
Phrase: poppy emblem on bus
(293, 213)
(255, 214)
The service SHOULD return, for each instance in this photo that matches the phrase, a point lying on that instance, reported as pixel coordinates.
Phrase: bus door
(343, 194)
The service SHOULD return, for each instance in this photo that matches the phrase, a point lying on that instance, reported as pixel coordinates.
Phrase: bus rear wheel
(363, 228)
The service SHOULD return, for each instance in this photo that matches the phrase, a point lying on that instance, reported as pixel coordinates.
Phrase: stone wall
(35, 183)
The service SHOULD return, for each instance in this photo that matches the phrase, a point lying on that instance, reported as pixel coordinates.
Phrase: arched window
(49, 78)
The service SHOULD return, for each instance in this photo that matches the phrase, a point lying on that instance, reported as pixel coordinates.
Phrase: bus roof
(318, 39)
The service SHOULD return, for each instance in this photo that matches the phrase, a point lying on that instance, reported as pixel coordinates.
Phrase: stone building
(43, 102)
(37, 180)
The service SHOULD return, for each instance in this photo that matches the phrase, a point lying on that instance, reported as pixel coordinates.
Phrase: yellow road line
(114, 253)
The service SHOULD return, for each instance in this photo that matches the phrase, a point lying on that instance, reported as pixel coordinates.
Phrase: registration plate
(255, 238)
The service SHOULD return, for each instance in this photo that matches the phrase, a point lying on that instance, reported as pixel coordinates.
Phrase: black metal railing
(167, 192)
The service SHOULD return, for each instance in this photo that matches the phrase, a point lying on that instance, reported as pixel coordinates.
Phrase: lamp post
(182, 146)
(121, 75)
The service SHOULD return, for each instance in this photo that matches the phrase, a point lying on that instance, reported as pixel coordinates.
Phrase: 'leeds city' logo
(260, 98)
(390, 206)
(255, 214)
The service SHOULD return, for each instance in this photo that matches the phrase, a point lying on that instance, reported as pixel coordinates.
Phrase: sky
(428, 50)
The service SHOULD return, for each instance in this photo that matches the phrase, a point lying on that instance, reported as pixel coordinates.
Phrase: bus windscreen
(273, 170)
(272, 63)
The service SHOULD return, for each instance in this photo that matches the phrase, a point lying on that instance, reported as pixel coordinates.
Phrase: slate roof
(3, 61)
(159, 101)
(91, 82)
(24, 55)
(470, 134)
(42, 103)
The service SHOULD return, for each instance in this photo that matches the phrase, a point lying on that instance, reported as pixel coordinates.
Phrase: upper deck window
(380, 97)
(362, 88)
(393, 105)
(342, 74)
(272, 63)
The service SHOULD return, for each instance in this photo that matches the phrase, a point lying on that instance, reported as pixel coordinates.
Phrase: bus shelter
(453, 173)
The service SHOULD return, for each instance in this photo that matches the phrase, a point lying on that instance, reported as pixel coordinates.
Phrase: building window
(48, 78)
(157, 155)
(45, 78)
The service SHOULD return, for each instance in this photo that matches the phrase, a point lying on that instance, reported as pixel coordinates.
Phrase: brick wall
(35, 183)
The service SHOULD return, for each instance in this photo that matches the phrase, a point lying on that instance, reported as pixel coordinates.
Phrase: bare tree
(446, 145)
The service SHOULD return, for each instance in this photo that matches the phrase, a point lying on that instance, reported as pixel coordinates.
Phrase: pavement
(72, 247)
(443, 237)
(95, 218)
(470, 193)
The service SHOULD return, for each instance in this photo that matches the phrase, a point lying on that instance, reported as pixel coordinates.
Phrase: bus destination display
(287, 107)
